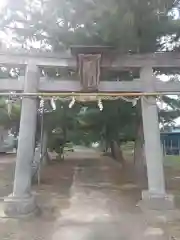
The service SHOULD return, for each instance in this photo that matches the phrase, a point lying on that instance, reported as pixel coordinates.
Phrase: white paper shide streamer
(71, 104)
(100, 105)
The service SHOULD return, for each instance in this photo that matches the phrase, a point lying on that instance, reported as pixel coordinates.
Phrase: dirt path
(83, 198)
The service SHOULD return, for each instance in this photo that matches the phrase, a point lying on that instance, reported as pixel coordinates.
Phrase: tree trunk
(117, 152)
(112, 150)
(3, 137)
(44, 148)
(104, 146)
(139, 158)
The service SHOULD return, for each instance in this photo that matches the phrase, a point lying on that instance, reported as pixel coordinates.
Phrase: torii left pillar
(21, 201)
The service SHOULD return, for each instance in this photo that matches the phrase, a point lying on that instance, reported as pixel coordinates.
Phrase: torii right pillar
(155, 197)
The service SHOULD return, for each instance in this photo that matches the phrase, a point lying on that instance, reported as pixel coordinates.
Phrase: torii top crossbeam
(113, 61)
(92, 61)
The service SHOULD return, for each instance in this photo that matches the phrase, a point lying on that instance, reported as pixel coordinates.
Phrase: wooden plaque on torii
(89, 65)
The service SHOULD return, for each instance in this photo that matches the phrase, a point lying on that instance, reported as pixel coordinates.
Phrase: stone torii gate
(22, 201)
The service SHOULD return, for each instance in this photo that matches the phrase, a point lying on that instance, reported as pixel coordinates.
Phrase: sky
(2, 3)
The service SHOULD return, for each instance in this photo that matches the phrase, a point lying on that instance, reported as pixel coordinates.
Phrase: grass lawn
(172, 161)
(169, 161)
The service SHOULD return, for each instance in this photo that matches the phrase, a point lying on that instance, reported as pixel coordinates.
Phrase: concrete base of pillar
(157, 202)
(19, 206)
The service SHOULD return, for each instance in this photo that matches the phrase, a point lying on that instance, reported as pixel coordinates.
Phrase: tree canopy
(128, 25)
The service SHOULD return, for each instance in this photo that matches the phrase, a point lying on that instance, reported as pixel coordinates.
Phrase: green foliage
(9, 119)
(116, 122)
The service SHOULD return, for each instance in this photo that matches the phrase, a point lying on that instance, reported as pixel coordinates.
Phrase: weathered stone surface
(157, 202)
(16, 206)
(21, 201)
